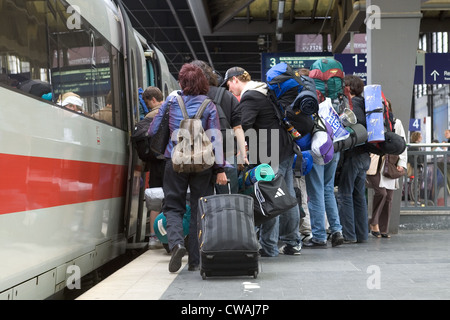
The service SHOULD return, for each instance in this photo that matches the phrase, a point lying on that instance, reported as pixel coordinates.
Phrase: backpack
(281, 78)
(194, 150)
(141, 140)
(224, 124)
(328, 75)
(143, 110)
(382, 138)
(322, 148)
(222, 117)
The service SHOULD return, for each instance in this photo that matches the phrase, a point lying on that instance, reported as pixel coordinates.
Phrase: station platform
(411, 265)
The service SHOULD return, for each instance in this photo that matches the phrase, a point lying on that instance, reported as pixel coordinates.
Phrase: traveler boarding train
(70, 192)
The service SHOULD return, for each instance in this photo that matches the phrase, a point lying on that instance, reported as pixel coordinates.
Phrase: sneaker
(315, 244)
(193, 267)
(175, 261)
(337, 239)
(306, 237)
(262, 253)
(291, 250)
(154, 243)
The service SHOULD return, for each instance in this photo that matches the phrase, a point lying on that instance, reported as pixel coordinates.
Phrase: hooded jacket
(258, 113)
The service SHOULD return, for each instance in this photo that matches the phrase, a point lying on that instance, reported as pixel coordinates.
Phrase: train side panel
(61, 193)
(71, 185)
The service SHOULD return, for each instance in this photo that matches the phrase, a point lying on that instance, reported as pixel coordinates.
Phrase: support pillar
(392, 42)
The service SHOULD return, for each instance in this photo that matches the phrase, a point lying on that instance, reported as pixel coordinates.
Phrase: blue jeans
(352, 197)
(320, 189)
(285, 226)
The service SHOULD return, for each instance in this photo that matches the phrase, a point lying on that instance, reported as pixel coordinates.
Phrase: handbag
(374, 164)
(271, 198)
(390, 167)
(160, 139)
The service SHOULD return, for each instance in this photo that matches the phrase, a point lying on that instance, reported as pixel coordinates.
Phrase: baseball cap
(232, 72)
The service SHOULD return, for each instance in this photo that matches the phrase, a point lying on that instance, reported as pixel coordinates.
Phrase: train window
(54, 51)
(23, 47)
(80, 62)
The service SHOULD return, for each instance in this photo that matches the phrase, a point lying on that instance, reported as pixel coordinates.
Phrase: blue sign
(418, 75)
(354, 64)
(296, 60)
(414, 125)
(437, 65)
(437, 68)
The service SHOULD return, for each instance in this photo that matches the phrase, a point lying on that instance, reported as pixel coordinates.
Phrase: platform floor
(410, 265)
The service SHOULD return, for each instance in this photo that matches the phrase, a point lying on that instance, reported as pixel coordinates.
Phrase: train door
(134, 179)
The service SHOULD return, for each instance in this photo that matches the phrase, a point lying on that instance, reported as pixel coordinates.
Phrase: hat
(232, 72)
(72, 100)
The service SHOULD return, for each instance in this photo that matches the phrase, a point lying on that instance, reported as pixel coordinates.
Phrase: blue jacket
(210, 120)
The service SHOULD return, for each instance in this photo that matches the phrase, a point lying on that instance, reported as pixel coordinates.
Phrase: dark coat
(258, 113)
(359, 109)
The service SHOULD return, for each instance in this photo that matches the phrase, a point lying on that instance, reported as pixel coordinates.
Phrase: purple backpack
(322, 148)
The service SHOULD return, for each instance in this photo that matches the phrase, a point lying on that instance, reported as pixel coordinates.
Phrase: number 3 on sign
(414, 125)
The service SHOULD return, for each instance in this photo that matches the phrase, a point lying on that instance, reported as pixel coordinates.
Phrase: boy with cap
(257, 113)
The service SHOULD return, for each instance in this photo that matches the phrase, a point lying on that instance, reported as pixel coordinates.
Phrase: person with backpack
(319, 182)
(190, 101)
(258, 117)
(230, 123)
(153, 98)
(352, 179)
(384, 185)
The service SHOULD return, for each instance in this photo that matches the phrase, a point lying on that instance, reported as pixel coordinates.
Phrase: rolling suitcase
(227, 237)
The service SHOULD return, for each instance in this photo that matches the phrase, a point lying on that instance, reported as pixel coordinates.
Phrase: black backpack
(222, 117)
(224, 124)
(141, 140)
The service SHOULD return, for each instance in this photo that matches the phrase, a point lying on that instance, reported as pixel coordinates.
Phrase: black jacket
(258, 113)
(229, 106)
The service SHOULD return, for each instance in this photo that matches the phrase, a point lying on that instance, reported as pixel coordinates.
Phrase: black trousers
(175, 189)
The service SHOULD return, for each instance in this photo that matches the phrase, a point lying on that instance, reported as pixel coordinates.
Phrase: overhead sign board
(296, 60)
(355, 64)
(434, 70)
(437, 68)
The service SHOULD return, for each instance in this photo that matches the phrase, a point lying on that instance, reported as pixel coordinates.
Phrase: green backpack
(328, 75)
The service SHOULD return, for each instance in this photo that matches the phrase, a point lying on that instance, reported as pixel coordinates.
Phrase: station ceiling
(229, 33)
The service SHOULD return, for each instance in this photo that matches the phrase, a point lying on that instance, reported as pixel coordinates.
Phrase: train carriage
(71, 191)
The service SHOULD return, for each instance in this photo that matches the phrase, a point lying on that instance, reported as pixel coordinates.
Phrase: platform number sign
(414, 125)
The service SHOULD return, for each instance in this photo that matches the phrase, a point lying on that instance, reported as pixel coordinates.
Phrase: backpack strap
(182, 107)
(202, 108)
(217, 99)
(219, 94)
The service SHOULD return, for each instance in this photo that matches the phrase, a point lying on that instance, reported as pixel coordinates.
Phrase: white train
(71, 187)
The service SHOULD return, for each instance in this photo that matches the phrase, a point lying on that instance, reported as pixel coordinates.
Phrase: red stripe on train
(29, 183)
